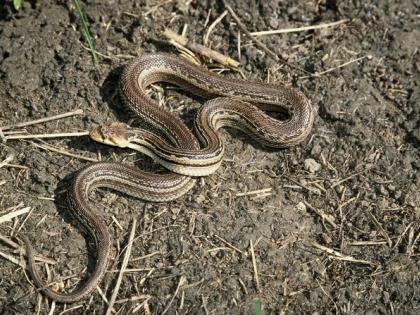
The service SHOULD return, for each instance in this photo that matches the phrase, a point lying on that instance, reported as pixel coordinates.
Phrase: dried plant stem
(64, 152)
(299, 29)
(258, 42)
(317, 74)
(212, 26)
(48, 135)
(180, 283)
(200, 49)
(327, 217)
(123, 267)
(337, 255)
(254, 192)
(9, 158)
(42, 120)
(11, 215)
(254, 265)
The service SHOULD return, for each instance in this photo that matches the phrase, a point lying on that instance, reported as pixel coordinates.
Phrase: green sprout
(256, 307)
(17, 4)
(86, 33)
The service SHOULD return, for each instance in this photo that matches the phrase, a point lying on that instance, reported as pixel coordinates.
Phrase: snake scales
(233, 103)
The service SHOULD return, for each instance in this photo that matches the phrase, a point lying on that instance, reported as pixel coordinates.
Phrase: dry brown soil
(338, 234)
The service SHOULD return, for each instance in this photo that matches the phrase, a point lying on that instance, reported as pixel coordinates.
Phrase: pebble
(200, 198)
(316, 150)
(385, 297)
(312, 166)
(274, 22)
(397, 194)
(213, 195)
(383, 191)
(301, 206)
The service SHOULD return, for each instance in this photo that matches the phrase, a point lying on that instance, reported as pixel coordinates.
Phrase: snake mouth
(115, 134)
(96, 134)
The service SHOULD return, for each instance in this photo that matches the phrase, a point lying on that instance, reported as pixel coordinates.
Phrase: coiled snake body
(171, 143)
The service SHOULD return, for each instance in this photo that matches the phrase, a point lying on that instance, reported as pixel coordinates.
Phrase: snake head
(115, 134)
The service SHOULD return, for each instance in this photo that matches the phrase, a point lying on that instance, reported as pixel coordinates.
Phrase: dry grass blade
(123, 267)
(48, 135)
(71, 309)
(254, 266)
(9, 242)
(367, 243)
(379, 227)
(258, 42)
(13, 260)
(9, 158)
(11, 215)
(255, 192)
(229, 244)
(337, 255)
(180, 283)
(299, 29)
(63, 152)
(212, 26)
(42, 120)
(317, 74)
(248, 33)
(200, 49)
(327, 217)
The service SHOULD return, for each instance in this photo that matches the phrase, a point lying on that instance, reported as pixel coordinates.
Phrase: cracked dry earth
(333, 222)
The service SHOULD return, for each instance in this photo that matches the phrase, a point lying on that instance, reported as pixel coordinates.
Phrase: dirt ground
(333, 222)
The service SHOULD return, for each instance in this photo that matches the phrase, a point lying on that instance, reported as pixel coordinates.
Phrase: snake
(163, 136)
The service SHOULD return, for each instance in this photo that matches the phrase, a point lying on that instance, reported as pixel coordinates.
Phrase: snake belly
(239, 105)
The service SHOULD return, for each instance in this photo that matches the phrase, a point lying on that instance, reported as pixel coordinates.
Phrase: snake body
(234, 103)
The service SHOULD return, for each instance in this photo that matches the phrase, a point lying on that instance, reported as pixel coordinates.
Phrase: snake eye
(96, 134)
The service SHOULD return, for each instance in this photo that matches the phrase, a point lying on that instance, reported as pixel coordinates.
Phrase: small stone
(213, 195)
(397, 194)
(292, 10)
(385, 297)
(327, 239)
(316, 150)
(312, 166)
(301, 206)
(274, 23)
(364, 204)
(383, 191)
(339, 189)
(200, 198)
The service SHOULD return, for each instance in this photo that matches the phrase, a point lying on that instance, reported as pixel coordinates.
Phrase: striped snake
(233, 103)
